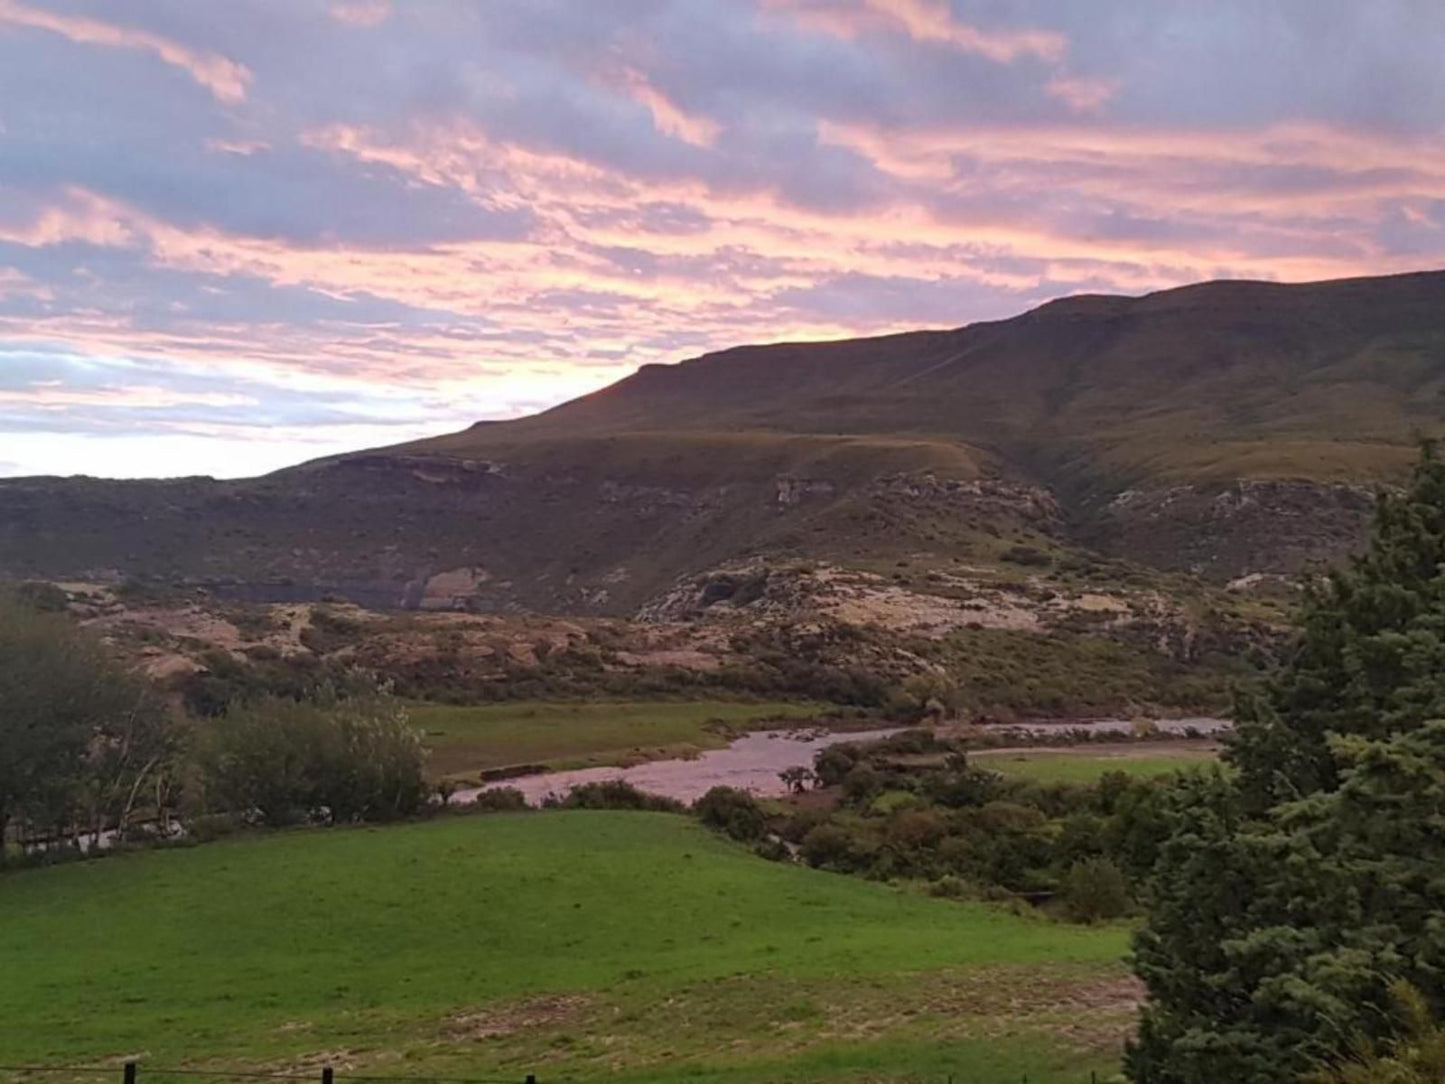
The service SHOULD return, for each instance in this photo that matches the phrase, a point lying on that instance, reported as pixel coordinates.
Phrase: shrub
(828, 846)
(616, 794)
(915, 829)
(499, 800)
(832, 764)
(41, 597)
(773, 849)
(1095, 890)
(213, 826)
(733, 812)
(1028, 556)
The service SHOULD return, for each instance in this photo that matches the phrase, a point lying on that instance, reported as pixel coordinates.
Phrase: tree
(82, 737)
(1284, 905)
(797, 778)
(1095, 890)
(1370, 657)
(339, 760)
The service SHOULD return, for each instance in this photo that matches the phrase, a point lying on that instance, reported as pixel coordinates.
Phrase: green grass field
(576, 735)
(1086, 764)
(577, 945)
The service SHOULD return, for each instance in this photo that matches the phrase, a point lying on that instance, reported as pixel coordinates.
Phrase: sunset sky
(236, 235)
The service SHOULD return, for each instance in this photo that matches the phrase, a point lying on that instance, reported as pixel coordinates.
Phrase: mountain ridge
(1227, 428)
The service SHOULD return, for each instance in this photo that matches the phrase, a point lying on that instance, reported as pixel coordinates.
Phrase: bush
(212, 826)
(615, 794)
(41, 597)
(499, 800)
(733, 812)
(1028, 556)
(828, 847)
(773, 849)
(832, 764)
(1095, 890)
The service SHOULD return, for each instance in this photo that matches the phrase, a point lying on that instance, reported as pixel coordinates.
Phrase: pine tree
(1286, 904)
(1370, 657)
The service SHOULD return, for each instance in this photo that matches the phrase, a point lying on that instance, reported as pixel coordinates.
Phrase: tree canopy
(1291, 897)
(84, 740)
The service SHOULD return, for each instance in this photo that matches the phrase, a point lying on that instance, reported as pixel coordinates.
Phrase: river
(753, 761)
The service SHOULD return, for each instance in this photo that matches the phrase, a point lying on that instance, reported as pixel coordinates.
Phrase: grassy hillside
(576, 945)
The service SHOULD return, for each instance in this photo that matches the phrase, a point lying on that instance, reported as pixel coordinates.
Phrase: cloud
(1084, 95)
(362, 13)
(929, 21)
(223, 77)
(388, 218)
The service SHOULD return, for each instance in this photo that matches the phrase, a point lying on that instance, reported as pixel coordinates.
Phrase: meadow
(468, 739)
(1085, 764)
(573, 945)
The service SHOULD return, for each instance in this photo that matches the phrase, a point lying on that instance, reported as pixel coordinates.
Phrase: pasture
(1087, 762)
(576, 945)
(468, 739)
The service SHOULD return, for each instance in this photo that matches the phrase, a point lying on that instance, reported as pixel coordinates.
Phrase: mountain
(1230, 429)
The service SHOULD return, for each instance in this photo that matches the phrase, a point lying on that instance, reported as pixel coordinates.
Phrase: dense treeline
(89, 747)
(1295, 906)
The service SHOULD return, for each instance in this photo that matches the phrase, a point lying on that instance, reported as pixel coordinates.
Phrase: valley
(810, 712)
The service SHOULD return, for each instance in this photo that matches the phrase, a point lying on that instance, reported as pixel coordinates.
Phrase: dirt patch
(1087, 1012)
(499, 1021)
(191, 623)
(929, 615)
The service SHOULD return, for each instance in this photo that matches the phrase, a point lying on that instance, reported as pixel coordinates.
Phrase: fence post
(129, 1072)
(327, 1073)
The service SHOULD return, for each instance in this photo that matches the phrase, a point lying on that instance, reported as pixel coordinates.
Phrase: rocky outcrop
(1227, 532)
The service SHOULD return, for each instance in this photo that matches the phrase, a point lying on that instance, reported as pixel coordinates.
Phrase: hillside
(1228, 429)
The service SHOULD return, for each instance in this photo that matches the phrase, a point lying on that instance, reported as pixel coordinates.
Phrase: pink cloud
(223, 77)
(362, 13)
(1083, 95)
(667, 116)
(923, 21)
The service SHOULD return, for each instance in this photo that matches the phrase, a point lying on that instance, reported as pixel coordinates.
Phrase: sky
(238, 235)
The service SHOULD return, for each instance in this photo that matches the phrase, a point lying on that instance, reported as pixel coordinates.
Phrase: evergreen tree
(1370, 657)
(1285, 904)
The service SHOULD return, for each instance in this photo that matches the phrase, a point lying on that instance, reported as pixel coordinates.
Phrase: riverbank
(754, 762)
